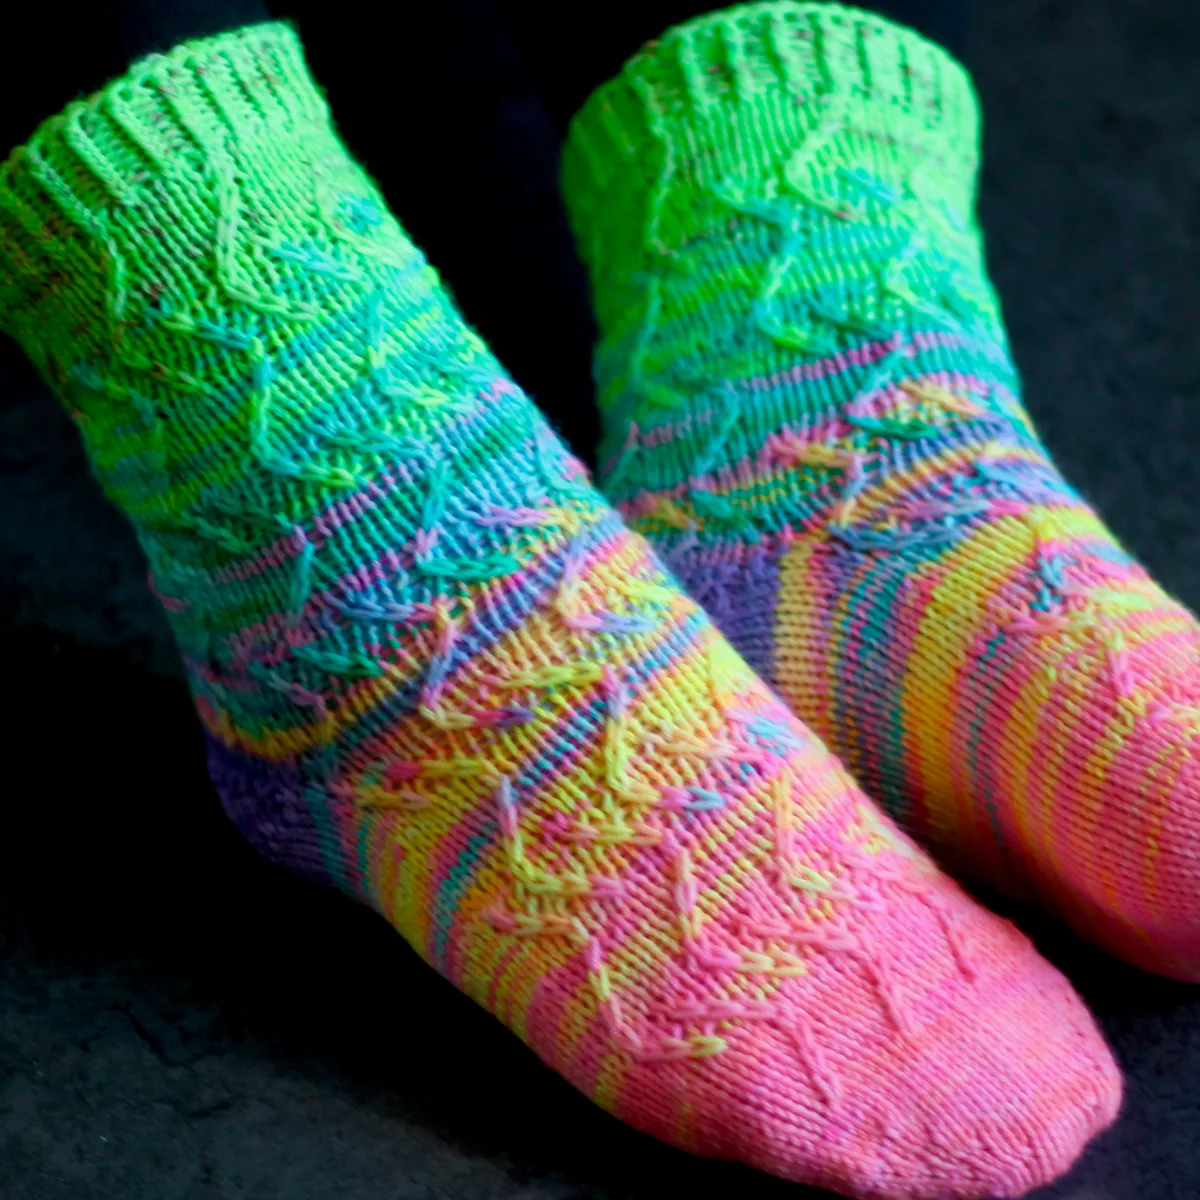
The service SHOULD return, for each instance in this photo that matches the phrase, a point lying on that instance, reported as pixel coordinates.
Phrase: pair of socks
(438, 671)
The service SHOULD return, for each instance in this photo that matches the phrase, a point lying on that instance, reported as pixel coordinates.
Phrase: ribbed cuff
(735, 95)
(71, 196)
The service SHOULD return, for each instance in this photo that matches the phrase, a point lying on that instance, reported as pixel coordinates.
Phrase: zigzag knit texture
(436, 670)
(811, 408)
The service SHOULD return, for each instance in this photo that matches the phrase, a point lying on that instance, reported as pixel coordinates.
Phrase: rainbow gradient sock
(811, 410)
(436, 670)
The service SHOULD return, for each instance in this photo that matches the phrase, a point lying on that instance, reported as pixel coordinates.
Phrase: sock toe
(1065, 766)
(1115, 826)
(986, 1081)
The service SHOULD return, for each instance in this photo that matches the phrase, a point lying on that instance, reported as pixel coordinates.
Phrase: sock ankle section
(719, 124)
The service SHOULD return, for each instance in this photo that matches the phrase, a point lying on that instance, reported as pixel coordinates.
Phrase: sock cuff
(180, 120)
(755, 92)
(196, 96)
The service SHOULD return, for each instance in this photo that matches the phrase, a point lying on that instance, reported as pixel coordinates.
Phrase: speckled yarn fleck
(436, 669)
(811, 409)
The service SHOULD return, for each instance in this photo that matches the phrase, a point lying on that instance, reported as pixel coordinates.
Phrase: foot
(436, 670)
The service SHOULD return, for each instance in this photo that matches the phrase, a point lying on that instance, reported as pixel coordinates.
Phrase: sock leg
(435, 669)
(810, 405)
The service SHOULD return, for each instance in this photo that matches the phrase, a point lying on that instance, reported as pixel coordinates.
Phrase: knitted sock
(437, 671)
(811, 409)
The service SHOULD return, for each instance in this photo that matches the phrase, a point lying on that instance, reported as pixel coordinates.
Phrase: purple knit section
(266, 802)
(739, 588)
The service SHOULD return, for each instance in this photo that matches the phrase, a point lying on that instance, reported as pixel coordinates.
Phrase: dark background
(179, 1020)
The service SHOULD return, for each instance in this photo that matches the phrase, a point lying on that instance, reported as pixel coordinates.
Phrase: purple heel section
(267, 804)
(739, 592)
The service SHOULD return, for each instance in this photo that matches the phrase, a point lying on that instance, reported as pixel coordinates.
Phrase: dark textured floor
(181, 1021)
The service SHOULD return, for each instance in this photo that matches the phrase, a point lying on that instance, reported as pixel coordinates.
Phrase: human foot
(811, 409)
(437, 671)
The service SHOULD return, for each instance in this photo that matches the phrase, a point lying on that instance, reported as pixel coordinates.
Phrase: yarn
(435, 670)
